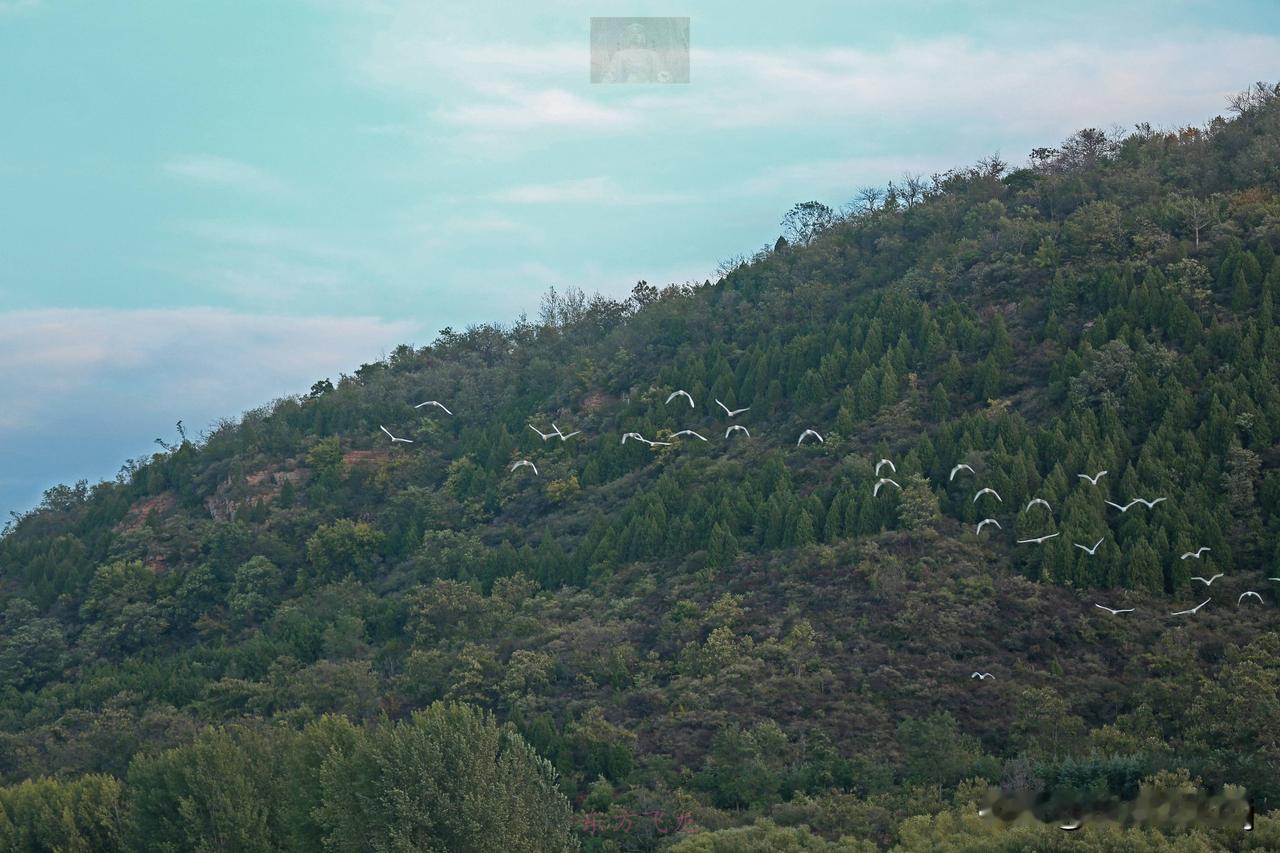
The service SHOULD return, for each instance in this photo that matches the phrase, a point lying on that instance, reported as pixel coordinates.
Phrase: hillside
(261, 637)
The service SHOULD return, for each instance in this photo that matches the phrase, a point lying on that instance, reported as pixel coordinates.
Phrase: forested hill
(296, 633)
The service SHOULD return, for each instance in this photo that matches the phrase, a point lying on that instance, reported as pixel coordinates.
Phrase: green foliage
(343, 548)
(83, 815)
(209, 795)
(918, 506)
(450, 779)
(736, 630)
(936, 751)
(258, 583)
(765, 837)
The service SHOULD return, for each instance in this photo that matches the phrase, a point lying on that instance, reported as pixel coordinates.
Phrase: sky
(207, 206)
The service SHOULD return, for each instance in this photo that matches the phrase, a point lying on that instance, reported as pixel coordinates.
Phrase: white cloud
(961, 83)
(86, 389)
(227, 173)
(78, 365)
(14, 7)
(442, 62)
(821, 176)
(269, 237)
(594, 190)
(535, 109)
(486, 224)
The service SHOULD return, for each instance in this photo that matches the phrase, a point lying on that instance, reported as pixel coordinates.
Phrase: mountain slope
(734, 629)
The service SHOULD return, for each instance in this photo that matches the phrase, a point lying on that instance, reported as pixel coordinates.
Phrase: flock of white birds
(882, 482)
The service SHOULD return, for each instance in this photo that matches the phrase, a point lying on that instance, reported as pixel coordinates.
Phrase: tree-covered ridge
(738, 629)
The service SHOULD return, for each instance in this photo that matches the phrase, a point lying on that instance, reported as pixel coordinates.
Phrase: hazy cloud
(228, 173)
(498, 87)
(13, 7)
(594, 190)
(68, 362)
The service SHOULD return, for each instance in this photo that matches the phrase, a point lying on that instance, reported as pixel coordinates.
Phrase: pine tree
(918, 506)
(1001, 344)
(1241, 298)
(988, 382)
(1144, 569)
(889, 390)
(939, 404)
(722, 547)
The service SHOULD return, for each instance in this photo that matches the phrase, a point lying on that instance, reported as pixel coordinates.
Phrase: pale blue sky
(204, 205)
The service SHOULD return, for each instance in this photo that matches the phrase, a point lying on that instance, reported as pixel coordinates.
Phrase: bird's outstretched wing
(681, 393)
(1193, 609)
(1087, 549)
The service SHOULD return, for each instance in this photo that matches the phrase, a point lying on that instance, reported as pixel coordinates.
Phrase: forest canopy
(291, 633)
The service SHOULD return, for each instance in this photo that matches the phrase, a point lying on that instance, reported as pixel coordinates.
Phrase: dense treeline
(737, 631)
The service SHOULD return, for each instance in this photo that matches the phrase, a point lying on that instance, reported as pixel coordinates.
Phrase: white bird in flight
(435, 403)
(640, 438)
(1087, 549)
(545, 435)
(1208, 582)
(1148, 504)
(884, 462)
(731, 412)
(958, 468)
(1038, 540)
(565, 436)
(1094, 479)
(735, 428)
(1192, 610)
(1035, 501)
(525, 463)
(681, 393)
(1248, 592)
(688, 432)
(982, 676)
(392, 437)
(1113, 611)
(1196, 553)
(881, 482)
(984, 523)
(987, 491)
(808, 433)
(643, 439)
